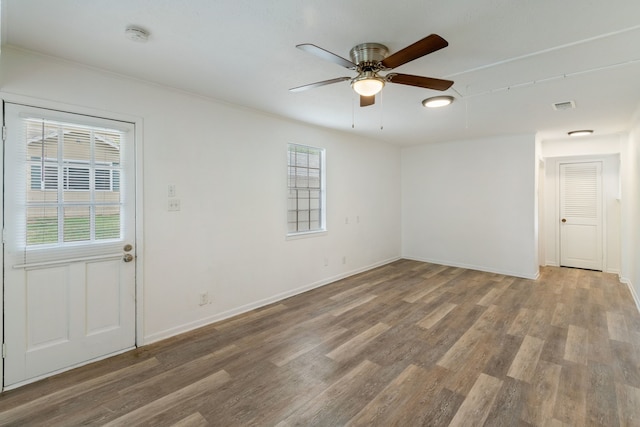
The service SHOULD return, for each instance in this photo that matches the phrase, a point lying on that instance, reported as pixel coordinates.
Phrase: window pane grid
(77, 198)
(305, 203)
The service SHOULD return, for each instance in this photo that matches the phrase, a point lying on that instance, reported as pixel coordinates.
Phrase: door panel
(103, 309)
(69, 212)
(581, 215)
(48, 297)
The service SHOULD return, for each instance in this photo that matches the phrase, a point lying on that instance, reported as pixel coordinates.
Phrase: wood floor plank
(626, 365)
(353, 304)
(300, 347)
(520, 325)
(334, 404)
(436, 315)
(23, 411)
(422, 291)
(577, 344)
(465, 376)
(508, 404)
(252, 316)
(193, 420)
(617, 326)
(601, 395)
(490, 296)
(165, 403)
(561, 315)
(442, 408)
(506, 348)
(628, 405)
(478, 403)
(408, 343)
(598, 346)
(357, 343)
(540, 397)
(571, 402)
(403, 401)
(525, 363)
(461, 350)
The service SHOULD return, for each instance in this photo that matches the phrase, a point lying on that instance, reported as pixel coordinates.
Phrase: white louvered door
(581, 215)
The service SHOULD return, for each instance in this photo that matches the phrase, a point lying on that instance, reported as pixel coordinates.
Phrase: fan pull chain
(353, 111)
(381, 112)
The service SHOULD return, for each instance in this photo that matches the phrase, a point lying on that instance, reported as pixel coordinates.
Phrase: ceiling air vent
(566, 105)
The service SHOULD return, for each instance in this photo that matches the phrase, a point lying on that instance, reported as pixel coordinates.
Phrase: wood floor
(406, 344)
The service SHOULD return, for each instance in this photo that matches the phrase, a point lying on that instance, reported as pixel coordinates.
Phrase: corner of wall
(632, 289)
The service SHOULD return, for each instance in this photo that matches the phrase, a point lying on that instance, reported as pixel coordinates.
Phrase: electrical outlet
(171, 190)
(204, 298)
(174, 205)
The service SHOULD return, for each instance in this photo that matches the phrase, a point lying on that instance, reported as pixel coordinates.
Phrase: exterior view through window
(73, 183)
(306, 212)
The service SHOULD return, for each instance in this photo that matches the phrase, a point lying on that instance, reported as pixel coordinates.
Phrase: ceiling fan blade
(326, 55)
(419, 81)
(318, 84)
(420, 48)
(365, 101)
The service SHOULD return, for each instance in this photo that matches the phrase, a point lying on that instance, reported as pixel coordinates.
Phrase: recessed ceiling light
(437, 101)
(136, 34)
(580, 132)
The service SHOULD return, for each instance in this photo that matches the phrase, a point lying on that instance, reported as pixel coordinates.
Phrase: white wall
(472, 204)
(606, 148)
(229, 167)
(631, 210)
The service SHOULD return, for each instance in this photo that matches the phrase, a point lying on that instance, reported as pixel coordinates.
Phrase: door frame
(551, 209)
(601, 245)
(139, 205)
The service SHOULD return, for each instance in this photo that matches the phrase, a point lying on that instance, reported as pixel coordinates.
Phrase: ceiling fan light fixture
(437, 101)
(367, 84)
(582, 132)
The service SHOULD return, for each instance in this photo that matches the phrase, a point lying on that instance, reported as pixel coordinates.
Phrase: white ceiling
(510, 60)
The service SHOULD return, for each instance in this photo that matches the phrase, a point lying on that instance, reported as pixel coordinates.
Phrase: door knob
(564, 220)
(127, 247)
(127, 258)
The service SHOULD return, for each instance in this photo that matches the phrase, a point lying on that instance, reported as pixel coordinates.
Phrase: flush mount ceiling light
(367, 84)
(580, 132)
(437, 101)
(136, 34)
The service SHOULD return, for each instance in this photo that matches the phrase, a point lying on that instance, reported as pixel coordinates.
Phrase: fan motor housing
(368, 53)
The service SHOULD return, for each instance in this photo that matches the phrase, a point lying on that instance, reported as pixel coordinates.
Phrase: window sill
(306, 235)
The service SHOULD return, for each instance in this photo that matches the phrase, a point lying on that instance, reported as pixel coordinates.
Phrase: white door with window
(69, 241)
(581, 215)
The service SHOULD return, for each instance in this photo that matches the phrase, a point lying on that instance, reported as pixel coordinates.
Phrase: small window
(306, 194)
(73, 183)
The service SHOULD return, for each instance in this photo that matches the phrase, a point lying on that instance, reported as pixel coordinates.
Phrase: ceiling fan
(369, 59)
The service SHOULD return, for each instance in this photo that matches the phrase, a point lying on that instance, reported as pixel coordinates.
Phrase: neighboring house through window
(73, 183)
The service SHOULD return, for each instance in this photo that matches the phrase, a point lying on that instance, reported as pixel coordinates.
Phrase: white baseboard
(634, 294)
(476, 267)
(167, 333)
